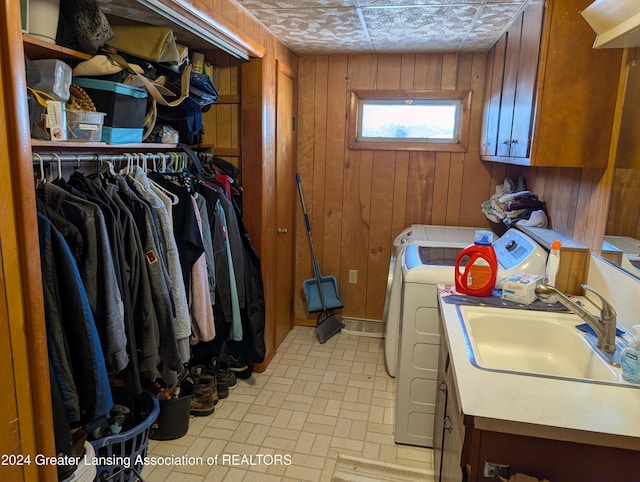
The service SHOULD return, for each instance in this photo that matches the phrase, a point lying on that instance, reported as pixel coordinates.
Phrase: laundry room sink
(533, 343)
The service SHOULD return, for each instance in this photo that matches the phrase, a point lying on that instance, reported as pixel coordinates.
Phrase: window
(409, 120)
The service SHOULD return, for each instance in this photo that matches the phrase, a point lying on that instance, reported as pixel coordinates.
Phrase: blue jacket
(74, 348)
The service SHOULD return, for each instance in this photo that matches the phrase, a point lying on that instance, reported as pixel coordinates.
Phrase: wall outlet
(353, 276)
(496, 470)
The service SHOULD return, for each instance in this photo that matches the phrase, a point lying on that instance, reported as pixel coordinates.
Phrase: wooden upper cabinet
(509, 86)
(493, 97)
(556, 94)
(526, 86)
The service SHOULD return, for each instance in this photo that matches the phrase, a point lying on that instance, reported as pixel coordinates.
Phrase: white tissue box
(521, 287)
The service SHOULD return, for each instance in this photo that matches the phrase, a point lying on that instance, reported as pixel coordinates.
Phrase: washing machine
(424, 235)
(423, 269)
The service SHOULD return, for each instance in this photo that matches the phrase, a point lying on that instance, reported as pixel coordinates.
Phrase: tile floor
(313, 402)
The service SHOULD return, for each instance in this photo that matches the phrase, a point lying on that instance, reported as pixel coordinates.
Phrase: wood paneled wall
(358, 201)
(624, 215)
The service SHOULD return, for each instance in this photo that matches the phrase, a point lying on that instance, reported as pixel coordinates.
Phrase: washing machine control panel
(517, 252)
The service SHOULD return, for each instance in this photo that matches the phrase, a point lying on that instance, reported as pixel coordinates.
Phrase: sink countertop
(569, 410)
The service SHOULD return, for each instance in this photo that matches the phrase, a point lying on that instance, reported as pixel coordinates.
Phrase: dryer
(424, 235)
(423, 269)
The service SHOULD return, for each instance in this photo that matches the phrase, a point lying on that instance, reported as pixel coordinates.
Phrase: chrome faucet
(604, 325)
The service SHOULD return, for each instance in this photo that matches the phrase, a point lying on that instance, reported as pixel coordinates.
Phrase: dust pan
(329, 290)
(322, 289)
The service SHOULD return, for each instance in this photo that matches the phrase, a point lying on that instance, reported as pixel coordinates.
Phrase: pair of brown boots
(210, 383)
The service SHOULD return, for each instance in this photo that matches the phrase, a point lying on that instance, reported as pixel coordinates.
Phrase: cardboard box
(56, 120)
(521, 287)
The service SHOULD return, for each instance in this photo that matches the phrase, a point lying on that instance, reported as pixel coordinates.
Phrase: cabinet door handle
(515, 141)
(282, 230)
(506, 143)
(443, 386)
(446, 424)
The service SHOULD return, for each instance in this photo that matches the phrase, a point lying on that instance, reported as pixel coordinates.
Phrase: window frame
(463, 96)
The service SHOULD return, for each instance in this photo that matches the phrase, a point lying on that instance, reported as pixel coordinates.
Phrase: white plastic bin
(84, 126)
(43, 19)
(55, 78)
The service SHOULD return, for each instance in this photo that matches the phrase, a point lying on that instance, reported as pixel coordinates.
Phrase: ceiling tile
(409, 3)
(294, 4)
(385, 26)
(317, 30)
(419, 28)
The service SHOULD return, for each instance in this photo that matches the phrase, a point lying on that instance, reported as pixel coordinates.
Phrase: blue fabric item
(587, 329)
(236, 320)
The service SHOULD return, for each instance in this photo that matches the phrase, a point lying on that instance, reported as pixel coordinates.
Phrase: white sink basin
(533, 343)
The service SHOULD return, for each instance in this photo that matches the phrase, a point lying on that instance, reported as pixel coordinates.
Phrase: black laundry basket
(128, 446)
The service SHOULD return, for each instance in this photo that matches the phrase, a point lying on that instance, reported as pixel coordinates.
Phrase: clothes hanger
(169, 194)
(110, 169)
(40, 182)
(59, 163)
(143, 161)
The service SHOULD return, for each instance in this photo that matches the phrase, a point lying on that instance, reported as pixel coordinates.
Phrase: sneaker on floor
(239, 366)
(232, 381)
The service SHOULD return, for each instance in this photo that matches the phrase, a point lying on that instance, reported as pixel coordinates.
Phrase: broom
(327, 324)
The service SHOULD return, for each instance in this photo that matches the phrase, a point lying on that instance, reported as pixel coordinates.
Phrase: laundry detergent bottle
(476, 266)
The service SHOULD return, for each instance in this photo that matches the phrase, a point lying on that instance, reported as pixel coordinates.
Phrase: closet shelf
(35, 49)
(39, 144)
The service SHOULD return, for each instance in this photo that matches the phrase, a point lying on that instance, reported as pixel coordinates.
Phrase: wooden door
(523, 109)
(509, 88)
(285, 190)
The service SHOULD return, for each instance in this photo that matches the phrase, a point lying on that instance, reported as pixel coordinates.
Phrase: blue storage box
(121, 135)
(125, 106)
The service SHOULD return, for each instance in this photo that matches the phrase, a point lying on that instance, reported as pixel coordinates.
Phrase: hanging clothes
(235, 333)
(75, 351)
(97, 271)
(161, 288)
(147, 336)
(202, 321)
(208, 245)
(185, 228)
(182, 321)
(188, 233)
(254, 313)
(93, 190)
(212, 195)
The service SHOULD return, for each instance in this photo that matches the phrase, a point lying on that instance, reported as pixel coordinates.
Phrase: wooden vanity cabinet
(463, 443)
(449, 430)
(550, 98)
